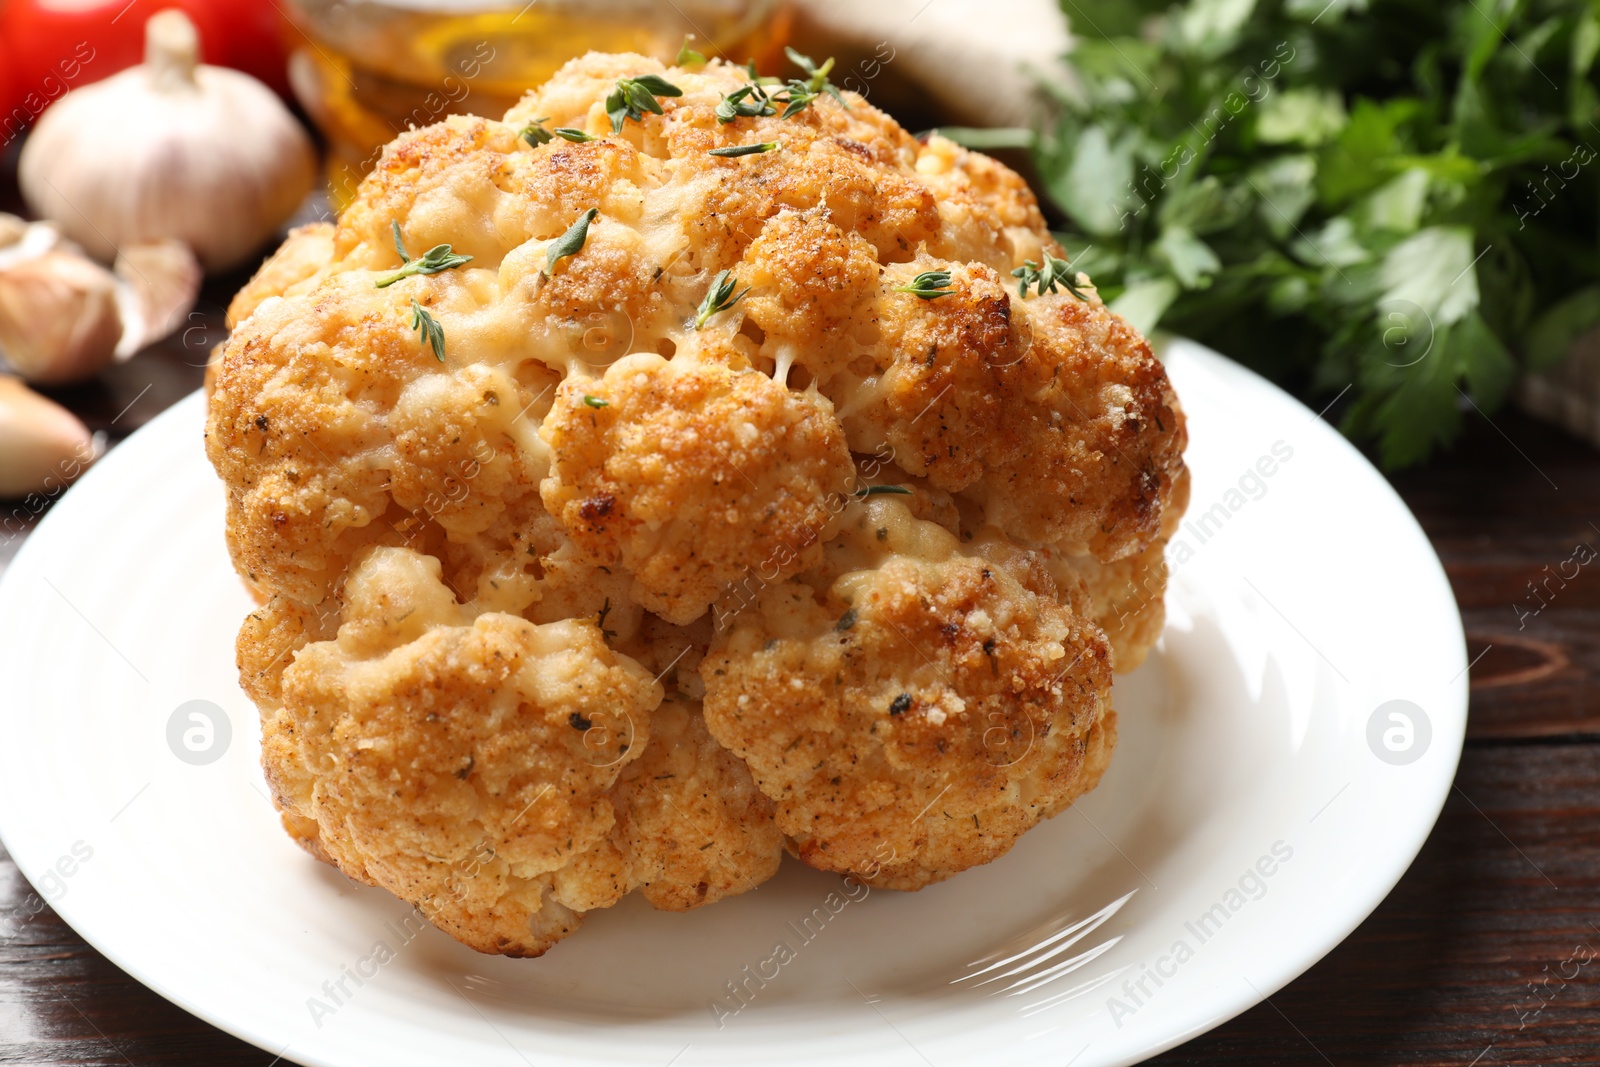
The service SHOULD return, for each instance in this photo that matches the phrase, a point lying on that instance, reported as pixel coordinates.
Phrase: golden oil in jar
(366, 70)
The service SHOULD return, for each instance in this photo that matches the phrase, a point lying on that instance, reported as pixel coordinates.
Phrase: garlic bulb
(168, 150)
(59, 320)
(43, 446)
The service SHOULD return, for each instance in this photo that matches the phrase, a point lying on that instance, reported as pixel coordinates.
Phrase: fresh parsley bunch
(1397, 196)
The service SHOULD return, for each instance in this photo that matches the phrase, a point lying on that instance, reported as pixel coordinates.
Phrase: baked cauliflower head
(628, 504)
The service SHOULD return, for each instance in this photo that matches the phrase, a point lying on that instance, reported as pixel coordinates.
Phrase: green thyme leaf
(733, 151)
(634, 96)
(883, 490)
(747, 102)
(428, 327)
(436, 259)
(569, 243)
(799, 94)
(535, 133)
(1054, 272)
(929, 285)
(567, 133)
(720, 297)
(595, 401)
(757, 78)
(687, 55)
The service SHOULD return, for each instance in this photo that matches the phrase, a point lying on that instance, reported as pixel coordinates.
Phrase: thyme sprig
(428, 327)
(535, 133)
(1054, 272)
(436, 259)
(929, 285)
(798, 94)
(747, 102)
(687, 55)
(569, 243)
(720, 298)
(634, 96)
(734, 151)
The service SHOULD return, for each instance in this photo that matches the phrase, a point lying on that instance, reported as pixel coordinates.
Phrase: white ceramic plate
(1265, 797)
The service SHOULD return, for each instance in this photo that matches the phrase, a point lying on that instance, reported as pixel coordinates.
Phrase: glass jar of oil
(366, 70)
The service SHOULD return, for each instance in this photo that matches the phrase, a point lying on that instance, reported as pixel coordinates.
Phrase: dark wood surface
(1488, 951)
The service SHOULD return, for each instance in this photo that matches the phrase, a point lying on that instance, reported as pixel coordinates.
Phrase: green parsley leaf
(719, 298)
(436, 259)
(634, 96)
(428, 327)
(929, 285)
(567, 133)
(595, 401)
(569, 243)
(1390, 204)
(733, 151)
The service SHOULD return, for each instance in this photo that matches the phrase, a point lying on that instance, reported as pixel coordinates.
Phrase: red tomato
(57, 45)
(8, 91)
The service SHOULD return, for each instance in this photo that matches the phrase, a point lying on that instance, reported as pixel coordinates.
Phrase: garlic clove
(43, 446)
(11, 229)
(59, 320)
(33, 239)
(160, 282)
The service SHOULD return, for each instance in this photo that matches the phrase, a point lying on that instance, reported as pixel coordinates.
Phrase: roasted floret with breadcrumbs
(720, 477)
(690, 474)
(464, 765)
(911, 709)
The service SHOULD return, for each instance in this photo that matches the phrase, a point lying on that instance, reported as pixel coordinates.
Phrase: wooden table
(1488, 951)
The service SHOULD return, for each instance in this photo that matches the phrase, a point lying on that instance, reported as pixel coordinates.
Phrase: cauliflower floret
(807, 279)
(304, 258)
(691, 474)
(484, 506)
(1103, 432)
(690, 820)
(990, 215)
(940, 395)
(1125, 597)
(912, 710)
(462, 764)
